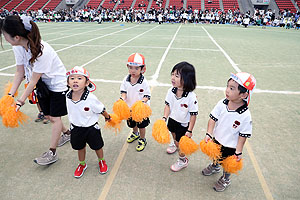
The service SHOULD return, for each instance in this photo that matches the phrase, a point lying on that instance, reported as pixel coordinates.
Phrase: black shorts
(177, 128)
(55, 104)
(143, 124)
(225, 151)
(80, 136)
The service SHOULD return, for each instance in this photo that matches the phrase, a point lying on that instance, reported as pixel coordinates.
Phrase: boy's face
(176, 79)
(77, 82)
(134, 71)
(232, 92)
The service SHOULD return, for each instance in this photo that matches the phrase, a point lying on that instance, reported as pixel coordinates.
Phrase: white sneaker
(179, 165)
(171, 148)
(64, 138)
(46, 158)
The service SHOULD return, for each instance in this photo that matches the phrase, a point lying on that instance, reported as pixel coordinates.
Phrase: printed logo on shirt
(141, 90)
(236, 124)
(86, 108)
(195, 102)
(184, 105)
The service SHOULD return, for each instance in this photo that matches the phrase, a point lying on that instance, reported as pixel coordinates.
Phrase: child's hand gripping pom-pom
(231, 165)
(13, 118)
(188, 145)
(160, 132)
(121, 108)
(5, 102)
(140, 111)
(114, 123)
(211, 149)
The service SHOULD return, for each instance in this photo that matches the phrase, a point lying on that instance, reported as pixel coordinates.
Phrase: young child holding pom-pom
(229, 125)
(84, 110)
(181, 108)
(134, 90)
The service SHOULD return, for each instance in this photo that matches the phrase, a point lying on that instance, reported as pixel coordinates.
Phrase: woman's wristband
(209, 135)
(189, 131)
(238, 154)
(164, 118)
(20, 103)
(108, 118)
(10, 94)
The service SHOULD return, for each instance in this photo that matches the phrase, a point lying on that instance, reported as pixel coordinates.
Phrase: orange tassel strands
(211, 149)
(160, 132)
(11, 118)
(114, 123)
(188, 145)
(231, 165)
(140, 111)
(5, 102)
(121, 108)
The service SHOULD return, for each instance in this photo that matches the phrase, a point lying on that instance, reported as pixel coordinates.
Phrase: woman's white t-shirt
(49, 64)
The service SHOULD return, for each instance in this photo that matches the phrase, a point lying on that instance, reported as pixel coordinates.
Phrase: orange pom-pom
(187, 145)
(11, 118)
(211, 149)
(7, 89)
(114, 123)
(160, 132)
(231, 165)
(5, 102)
(121, 109)
(140, 111)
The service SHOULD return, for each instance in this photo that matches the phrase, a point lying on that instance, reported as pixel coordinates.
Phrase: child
(37, 61)
(135, 88)
(83, 111)
(181, 108)
(230, 124)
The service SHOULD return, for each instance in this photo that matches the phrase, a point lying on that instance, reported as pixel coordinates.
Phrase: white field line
(148, 47)
(155, 75)
(117, 46)
(234, 65)
(68, 36)
(78, 43)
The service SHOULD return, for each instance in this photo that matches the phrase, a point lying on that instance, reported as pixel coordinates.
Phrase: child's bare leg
(142, 132)
(81, 154)
(99, 153)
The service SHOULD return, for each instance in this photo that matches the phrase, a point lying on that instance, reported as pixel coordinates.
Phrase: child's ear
(244, 95)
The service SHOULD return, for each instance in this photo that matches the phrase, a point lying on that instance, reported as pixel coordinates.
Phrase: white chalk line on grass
(69, 36)
(155, 75)
(79, 43)
(260, 176)
(117, 47)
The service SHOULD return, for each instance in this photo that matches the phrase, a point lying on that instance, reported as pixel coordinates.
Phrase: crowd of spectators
(170, 15)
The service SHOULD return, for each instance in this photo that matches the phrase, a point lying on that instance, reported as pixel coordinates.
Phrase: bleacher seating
(12, 4)
(286, 4)
(142, 2)
(25, 5)
(38, 4)
(209, 4)
(3, 2)
(230, 4)
(177, 3)
(156, 5)
(109, 4)
(94, 3)
(194, 4)
(298, 3)
(53, 4)
(126, 4)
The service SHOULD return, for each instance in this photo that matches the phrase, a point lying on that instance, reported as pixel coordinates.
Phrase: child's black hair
(240, 88)
(188, 75)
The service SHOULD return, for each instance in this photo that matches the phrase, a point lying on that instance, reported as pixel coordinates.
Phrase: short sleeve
(19, 55)
(123, 88)
(168, 98)
(193, 104)
(147, 92)
(246, 129)
(216, 112)
(97, 106)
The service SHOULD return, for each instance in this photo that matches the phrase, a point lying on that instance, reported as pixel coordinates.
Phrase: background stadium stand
(230, 4)
(94, 3)
(286, 4)
(194, 4)
(209, 4)
(12, 4)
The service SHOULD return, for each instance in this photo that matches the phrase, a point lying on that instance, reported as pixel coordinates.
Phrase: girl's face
(77, 82)
(134, 71)
(232, 93)
(176, 79)
(11, 40)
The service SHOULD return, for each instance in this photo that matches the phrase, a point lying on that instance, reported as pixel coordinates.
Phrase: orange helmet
(137, 59)
(82, 71)
(246, 80)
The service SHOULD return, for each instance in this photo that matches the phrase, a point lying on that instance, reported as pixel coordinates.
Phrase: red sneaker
(80, 170)
(102, 167)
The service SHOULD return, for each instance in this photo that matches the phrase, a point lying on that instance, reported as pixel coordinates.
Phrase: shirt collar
(83, 96)
(241, 109)
(184, 94)
(140, 81)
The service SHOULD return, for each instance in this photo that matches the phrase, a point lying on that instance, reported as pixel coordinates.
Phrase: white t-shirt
(86, 111)
(182, 108)
(137, 91)
(230, 124)
(49, 64)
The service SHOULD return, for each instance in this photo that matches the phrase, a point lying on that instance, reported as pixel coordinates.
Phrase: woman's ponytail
(34, 39)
